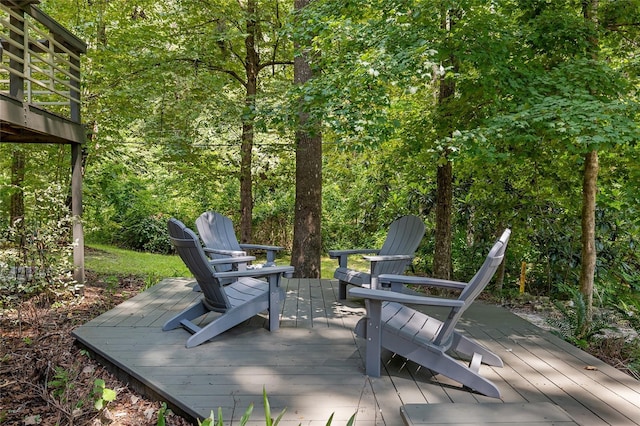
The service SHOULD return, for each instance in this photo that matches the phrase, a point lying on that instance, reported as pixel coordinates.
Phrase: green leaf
(246, 415)
(267, 408)
(108, 394)
(330, 420)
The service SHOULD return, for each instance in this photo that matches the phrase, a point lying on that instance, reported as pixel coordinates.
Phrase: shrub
(146, 233)
(37, 249)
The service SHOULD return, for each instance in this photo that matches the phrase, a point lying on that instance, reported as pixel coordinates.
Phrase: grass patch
(109, 260)
(328, 265)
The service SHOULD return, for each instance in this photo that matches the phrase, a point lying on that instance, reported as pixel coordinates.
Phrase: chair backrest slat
(217, 231)
(190, 251)
(403, 238)
(475, 286)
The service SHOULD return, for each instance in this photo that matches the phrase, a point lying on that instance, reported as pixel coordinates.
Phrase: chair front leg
(374, 337)
(274, 301)
(342, 290)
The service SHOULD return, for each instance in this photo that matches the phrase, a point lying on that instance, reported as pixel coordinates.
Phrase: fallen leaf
(149, 412)
(32, 420)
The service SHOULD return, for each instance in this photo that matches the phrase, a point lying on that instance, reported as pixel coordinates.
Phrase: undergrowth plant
(74, 403)
(36, 250)
(629, 308)
(574, 326)
(102, 395)
(621, 352)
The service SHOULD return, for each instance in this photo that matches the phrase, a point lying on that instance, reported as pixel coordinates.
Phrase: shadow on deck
(314, 366)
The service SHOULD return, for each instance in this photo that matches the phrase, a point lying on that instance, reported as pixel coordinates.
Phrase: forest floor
(45, 379)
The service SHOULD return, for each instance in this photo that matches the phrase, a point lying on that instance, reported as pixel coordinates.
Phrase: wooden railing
(39, 59)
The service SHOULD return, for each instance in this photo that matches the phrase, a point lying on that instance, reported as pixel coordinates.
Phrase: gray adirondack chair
(244, 298)
(391, 324)
(393, 257)
(220, 241)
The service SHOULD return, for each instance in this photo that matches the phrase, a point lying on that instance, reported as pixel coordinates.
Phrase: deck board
(314, 365)
(467, 414)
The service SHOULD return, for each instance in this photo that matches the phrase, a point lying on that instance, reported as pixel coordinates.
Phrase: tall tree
(261, 39)
(380, 84)
(185, 52)
(442, 264)
(568, 103)
(307, 236)
(252, 68)
(589, 191)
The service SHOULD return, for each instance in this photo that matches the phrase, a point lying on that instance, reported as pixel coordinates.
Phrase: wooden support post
(76, 211)
(77, 173)
(274, 301)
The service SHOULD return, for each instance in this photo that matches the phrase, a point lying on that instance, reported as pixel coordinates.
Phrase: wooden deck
(314, 366)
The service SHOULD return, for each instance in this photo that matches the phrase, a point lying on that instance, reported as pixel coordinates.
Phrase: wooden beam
(34, 124)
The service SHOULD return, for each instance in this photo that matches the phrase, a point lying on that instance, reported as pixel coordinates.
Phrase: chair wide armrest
(388, 257)
(260, 247)
(426, 281)
(392, 296)
(232, 260)
(232, 253)
(337, 253)
(287, 271)
(343, 255)
(271, 252)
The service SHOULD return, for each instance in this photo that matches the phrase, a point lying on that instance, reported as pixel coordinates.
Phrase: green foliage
(162, 412)
(367, 57)
(61, 383)
(148, 233)
(37, 249)
(61, 388)
(628, 307)
(574, 326)
(532, 96)
(367, 191)
(102, 395)
(161, 143)
(269, 421)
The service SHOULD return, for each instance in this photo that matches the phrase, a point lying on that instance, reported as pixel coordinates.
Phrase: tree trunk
(246, 149)
(16, 203)
(444, 201)
(307, 239)
(588, 258)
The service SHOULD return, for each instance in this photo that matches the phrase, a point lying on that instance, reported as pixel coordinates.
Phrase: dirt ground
(46, 380)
